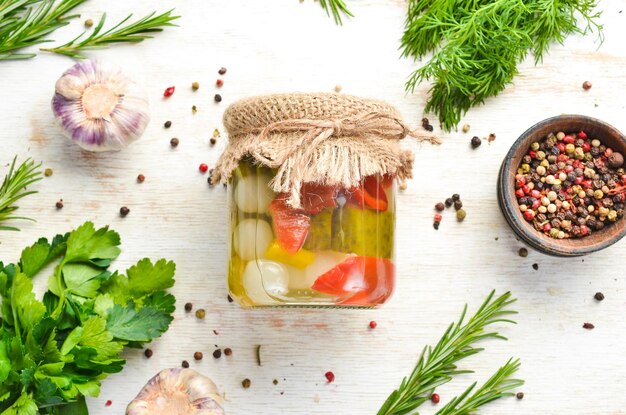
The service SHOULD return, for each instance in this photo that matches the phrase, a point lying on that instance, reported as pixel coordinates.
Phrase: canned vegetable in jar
(312, 197)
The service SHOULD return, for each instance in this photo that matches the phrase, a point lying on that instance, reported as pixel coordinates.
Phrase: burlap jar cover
(327, 138)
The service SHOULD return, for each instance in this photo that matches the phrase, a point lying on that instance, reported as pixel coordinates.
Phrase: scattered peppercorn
(200, 313)
(373, 324)
(435, 398)
(330, 376)
(228, 297)
(535, 267)
(458, 204)
(246, 383)
(88, 23)
(194, 109)
(586, 85)
(141, 178)
(188, 307)
(476, 142)
(169, 91)
(588, 326)
(456, 197)
(460, 215)
(219, 83)
(449, 202)
(491, 138)
(338, 88)
(108, 403)
(124, 211)
(519, 395)
(198, 355)
(436, 225)
(217, 98)
(167, 124)
(466, 128)
(523, 252)
(195, 86)
(228, 351)
(212, 141)
(217, 353)
(47, 172)
(174, 142)
(185, 364)
(203, 167)
(222, 71)
(429, 128)
(440, 207)
(599, 296)
(59, 204)
(425, 122)
(148, 353)
(275, 381)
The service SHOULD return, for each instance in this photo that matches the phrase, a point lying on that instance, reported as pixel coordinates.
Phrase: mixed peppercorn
(570, 185)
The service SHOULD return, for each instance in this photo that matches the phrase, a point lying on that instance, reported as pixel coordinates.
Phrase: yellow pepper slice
(300, 259)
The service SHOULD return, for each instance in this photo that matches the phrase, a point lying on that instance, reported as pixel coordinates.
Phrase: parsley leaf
(85, 244)
(127, 323)
(143, 279)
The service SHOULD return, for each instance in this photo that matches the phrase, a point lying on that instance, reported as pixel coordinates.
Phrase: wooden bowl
(598, 240)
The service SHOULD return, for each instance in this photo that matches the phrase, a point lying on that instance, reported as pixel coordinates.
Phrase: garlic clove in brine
(178, 392)
(99, 107)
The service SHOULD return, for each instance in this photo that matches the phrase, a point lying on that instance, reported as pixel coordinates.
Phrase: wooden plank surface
(280, 46)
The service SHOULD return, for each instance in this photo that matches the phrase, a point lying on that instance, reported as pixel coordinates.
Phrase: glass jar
(336, 250)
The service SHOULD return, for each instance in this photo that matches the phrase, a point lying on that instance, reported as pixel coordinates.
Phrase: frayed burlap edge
(325, 138)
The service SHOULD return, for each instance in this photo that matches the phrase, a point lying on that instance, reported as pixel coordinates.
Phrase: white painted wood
(276, 46)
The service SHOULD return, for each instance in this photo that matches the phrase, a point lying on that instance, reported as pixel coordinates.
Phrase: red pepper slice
(291, 226)
(370, 194)
(358, 280)
(317, 197)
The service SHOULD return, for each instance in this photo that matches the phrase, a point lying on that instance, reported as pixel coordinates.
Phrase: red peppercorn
(562, 157)
(586, 147)
(586, 183)
(108, 403)
(169, 91)
(438, 217)
(536, 204)
(532, 154)
(578, 180)
(435, 398)
(582, 135)
(219, 82)
(373, 324)
(547, 227)
(519, 193)
(584, 230)
(203, 167)
(526, 189)
(561, 146)
(535, 193)
(569, 139)
(521, 181)
(529, 215)
(330, 376)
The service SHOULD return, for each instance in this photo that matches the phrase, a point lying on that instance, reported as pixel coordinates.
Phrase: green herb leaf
(436, 365)
(132, 33)
(143, 279)
(37, 256)
(143, 325)
(85, 244)
(14, 186)
(27, 311)
(82, 279)
(23, 406)
(336, 8)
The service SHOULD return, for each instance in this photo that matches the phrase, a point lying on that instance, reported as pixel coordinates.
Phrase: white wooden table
(280, 46)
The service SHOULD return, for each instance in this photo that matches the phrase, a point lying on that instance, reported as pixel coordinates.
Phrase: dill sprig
(498, 386)
(437, 365)
(477, 45)
(337, 8)
(131, 33)
(13, 188)
(25, 23)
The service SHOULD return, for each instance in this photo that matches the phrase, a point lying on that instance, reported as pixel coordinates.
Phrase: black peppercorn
(188, 307)
(185, 364)
(222, 71)
(217, 98)
(456, 197)
(425, 122)
(523, 252)
(599, 296)
(458, 204)
(475, 142)
(59, 204)
(519, 395)
(588, 326)
(174, 142)
(167, 124)
(429, 128)
(229, 298)
(217, 353)
(246, 383)
(535, 267)
(124, 211)
(148, 353)
(449, 202)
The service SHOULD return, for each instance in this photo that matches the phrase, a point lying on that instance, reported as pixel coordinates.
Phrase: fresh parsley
(56, 351)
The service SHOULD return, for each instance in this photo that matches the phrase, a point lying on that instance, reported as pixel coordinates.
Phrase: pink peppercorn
(219, 82)
(435, 398)
(547, 227)
(582, 135)
(519, 193)
(586, 147)
(108, 403)
(169, 91)
(569, 139)
(535, 193)
(529, 215)
(330, 376)
(438, 217)
(373, 324)
(536, 204)
(203, 167)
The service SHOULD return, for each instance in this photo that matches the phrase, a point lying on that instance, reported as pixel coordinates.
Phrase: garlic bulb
(99, 107)
(178, 392)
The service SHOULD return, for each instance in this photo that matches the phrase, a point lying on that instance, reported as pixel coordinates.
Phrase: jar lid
(327, 138)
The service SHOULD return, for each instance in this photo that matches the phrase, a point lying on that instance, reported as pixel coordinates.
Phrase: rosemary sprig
(498, 386)
(337, 8)
(478, 45)
(13, 188)
(25, 23)
(132, 33)
(437, 365)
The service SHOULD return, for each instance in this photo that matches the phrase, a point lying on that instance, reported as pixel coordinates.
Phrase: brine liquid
(336, 251)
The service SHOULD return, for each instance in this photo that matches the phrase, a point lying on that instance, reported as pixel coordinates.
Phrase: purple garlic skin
(178, 392)
(99, 107)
